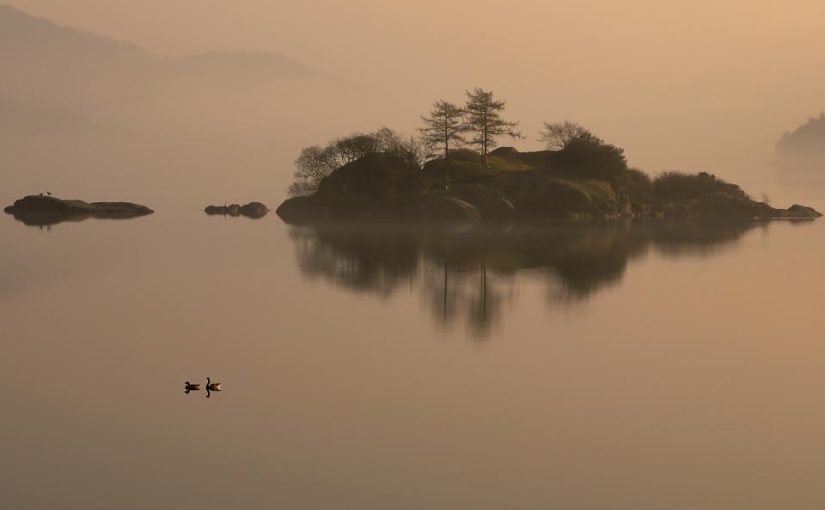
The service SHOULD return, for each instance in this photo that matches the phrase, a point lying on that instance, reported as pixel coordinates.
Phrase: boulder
(303, 209)
(491, 203)
(801, 212)
(447, 209)
(252, 210)
(539, 194)
(375, 181)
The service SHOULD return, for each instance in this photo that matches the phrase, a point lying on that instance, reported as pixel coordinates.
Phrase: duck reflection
(468, 274)
(211, 387)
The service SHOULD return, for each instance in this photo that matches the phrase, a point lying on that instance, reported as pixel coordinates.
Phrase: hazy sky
(642, 38)
(691, 85)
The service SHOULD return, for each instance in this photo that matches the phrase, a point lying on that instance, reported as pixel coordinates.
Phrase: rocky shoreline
(382, 187)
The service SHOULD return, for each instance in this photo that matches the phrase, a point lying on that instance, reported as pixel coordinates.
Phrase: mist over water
(663, 365)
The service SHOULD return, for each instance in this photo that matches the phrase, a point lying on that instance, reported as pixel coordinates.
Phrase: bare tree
(313, 164)
(556, 136)
(316, 162)
(355, 146)
(444, 125)
(483, 120)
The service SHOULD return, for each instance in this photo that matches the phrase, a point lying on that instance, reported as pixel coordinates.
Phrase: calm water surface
(388, 367)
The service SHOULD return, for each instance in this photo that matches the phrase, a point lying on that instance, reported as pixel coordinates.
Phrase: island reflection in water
(46, 220)
(467, 273)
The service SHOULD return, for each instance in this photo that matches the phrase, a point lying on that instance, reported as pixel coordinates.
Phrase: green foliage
(637, 185)
(465, 155)
(504, 164)
(589, 156)
(444, 173)
(463, 166)
(682, 187)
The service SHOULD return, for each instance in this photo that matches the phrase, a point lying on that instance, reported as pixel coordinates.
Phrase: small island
(253, 210)
(385, 176)
(45, 210)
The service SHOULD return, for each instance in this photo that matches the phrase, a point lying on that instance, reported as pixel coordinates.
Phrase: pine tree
(443, 126)
(483, 119)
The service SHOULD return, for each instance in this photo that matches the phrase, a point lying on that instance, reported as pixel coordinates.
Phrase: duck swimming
(187, 387)
(210, 386)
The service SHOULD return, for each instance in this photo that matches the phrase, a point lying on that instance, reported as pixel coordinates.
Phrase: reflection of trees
(474, 294)
(368, 259)
(469, 274)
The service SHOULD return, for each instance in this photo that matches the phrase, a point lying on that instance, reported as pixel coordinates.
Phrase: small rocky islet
(45, 210)
(517, 186)
(48, 210)
(253, 210)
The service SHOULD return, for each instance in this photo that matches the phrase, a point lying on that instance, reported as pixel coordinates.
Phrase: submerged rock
(49, 210)
(252, 210)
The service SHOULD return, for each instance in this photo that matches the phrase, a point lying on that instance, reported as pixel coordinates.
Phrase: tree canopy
(589, 155)
(316, 162)
(557, 135)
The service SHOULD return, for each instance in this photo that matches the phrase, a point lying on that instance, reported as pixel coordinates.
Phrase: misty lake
(391, 367)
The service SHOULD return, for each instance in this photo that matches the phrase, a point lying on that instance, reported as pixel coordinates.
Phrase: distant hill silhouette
(36, 47)
(82, 113)
(806, 140)
(22, 33)
(801, 154)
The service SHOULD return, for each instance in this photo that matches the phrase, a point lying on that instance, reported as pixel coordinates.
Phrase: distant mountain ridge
(20, 31)
(23, 37)
(85, 114)
(806, 140)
